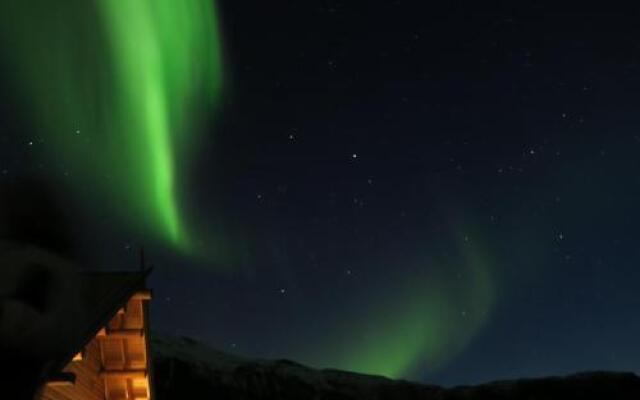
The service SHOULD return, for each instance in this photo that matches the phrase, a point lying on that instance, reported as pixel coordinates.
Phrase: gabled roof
(104, 293)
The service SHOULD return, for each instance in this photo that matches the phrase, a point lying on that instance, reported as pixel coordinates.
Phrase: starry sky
(440, 193)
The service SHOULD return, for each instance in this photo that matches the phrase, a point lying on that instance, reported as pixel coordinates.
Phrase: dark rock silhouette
(38, 292)
(184, 368)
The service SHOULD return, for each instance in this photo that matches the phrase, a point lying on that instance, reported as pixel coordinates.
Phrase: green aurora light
(117, 90)
(415, 324)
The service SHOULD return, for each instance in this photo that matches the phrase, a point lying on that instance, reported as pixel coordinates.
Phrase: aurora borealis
(412, 324)
(442, 193)
(119, 91)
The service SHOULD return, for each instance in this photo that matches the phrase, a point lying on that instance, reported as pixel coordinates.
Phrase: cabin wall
(89, 385)
(115, 365)
(124, 353)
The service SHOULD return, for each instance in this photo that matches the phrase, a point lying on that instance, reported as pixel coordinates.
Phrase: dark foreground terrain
(186, 369)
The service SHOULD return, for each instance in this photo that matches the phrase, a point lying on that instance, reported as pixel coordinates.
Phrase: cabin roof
(104, 293)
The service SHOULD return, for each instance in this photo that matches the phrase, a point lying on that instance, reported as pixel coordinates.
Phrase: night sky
(447, 193)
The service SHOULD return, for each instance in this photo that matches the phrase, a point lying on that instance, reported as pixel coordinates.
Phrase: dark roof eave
(119, 301)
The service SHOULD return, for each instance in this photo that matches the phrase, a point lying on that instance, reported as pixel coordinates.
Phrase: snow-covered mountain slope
(184, 368)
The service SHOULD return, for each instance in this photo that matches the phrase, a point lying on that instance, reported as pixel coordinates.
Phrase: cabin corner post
(147, 334)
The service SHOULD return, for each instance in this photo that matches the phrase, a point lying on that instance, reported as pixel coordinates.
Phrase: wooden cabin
(111, 359)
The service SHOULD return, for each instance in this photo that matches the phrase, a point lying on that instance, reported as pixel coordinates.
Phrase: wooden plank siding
(114, 364)
(88, 384)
